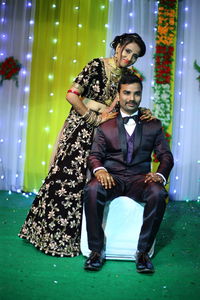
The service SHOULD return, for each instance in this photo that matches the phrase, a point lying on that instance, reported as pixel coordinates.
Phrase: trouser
(152, 194)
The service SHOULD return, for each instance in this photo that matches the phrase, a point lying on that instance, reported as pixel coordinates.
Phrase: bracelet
(74, 92)
(92, 118)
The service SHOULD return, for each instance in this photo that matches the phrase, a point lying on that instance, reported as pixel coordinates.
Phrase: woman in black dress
(53, 224)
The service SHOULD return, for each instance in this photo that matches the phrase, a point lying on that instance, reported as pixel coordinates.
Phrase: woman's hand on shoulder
(105, 116)
(146, 114)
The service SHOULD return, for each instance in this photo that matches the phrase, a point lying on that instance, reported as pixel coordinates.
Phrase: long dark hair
(128, 38)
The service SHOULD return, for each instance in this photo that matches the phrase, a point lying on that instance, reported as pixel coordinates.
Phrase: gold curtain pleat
(67, 34)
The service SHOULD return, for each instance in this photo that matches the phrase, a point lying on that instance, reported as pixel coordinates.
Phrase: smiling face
(127, 55)
(130, 96)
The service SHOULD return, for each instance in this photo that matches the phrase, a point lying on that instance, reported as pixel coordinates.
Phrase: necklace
(113, 74)
(113, 71)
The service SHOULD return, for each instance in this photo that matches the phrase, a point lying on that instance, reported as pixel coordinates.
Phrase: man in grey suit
(120, 161)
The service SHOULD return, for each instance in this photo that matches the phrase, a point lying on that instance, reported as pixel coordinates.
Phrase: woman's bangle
(92, 118)
(74, 92)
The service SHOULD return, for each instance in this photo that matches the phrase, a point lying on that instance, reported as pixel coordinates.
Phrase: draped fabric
(185, 177)
(66, 38)
(16, 38)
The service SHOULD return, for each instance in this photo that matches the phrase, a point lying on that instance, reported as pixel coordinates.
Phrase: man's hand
(153, 177)
(105, 178)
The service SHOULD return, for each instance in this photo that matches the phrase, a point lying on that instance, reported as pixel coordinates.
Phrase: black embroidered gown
(53, 224)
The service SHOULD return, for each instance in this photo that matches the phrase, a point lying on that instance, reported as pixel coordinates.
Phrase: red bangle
(74, 92)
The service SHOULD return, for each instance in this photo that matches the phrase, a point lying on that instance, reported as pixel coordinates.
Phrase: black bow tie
(126, 119)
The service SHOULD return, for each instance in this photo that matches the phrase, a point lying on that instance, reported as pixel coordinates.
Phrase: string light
(28, 56)
(50, 76)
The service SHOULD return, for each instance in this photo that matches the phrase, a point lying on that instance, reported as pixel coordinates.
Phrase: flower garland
(9, 69)
(164, 58)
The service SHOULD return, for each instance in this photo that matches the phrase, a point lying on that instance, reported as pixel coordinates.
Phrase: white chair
(122, 223)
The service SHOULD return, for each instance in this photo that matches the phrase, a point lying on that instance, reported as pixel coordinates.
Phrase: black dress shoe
(95, 261)
(143, 263)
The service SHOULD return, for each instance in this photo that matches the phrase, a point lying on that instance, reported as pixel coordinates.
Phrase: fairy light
(55, 41)
(26, 89)
(50, 76)
(29, 56)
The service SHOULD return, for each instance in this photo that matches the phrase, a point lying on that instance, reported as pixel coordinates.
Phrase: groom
(120, 161)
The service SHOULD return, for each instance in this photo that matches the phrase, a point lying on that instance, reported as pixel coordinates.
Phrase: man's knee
(92, 185)
(157, 191)
(94, 191)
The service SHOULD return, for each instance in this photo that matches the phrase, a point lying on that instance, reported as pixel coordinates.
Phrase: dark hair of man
(127, 38)
(128, 78)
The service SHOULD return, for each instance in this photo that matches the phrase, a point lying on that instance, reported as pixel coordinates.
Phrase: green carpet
(26, 273)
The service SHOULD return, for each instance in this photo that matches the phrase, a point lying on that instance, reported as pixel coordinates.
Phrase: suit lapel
(138, 136)
(122, 136)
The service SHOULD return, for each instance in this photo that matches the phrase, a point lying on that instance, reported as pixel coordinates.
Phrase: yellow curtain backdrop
(67, 34)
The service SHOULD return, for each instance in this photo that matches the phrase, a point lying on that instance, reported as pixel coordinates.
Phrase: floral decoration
(9, 69)
(164, 57)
